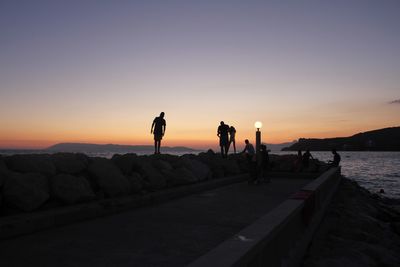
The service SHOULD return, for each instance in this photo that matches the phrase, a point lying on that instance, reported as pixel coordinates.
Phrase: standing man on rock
(159, 126)
(222, 133)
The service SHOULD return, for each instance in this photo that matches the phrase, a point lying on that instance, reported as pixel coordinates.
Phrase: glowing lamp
(258, 125)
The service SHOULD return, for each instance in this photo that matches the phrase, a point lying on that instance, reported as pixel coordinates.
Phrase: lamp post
(258, 126)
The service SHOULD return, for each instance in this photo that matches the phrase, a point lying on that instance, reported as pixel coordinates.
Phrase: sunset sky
(100, 71)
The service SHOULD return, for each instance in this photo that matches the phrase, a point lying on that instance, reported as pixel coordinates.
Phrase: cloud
(397, 101)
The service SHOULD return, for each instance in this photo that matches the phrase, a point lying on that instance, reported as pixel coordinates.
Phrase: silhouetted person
(158, 126)
(298, 164)
(306, 158)
(264, 162)
(222, 133)
(251, 160)
(336, 158)
(249, 150)
(232, 133)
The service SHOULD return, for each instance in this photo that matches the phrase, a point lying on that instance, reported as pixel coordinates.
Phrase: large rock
(127, 163)
(71, 189)
(181, 176)
(26, 191)
(136, 182)
(199, 169)
(154, 179)
(108, 177)
(231, 167)
(2, 163)
(70, 163)
(162, 165)
(35, 163)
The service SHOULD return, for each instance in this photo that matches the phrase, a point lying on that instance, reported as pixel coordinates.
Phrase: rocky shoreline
(359, 229)
(33, 182)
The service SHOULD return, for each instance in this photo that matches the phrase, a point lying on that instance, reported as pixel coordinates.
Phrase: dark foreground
(171, 234)
(359, 229)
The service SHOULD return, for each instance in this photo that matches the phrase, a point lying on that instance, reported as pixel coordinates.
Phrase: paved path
(171, 234)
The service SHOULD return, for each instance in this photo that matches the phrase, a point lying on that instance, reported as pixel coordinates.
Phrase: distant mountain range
(96, 148)
(387, 139)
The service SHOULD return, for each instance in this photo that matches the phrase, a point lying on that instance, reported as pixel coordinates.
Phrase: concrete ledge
(15, 225)
(281, 237)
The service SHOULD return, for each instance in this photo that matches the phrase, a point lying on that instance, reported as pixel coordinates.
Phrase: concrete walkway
(171, 234)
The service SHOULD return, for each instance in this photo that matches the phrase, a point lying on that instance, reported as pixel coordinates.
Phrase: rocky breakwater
(359, 229)
(42, 181)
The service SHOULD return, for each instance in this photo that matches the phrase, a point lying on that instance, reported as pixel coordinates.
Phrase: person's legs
(234, 146)
(158, 147)
(155, 146)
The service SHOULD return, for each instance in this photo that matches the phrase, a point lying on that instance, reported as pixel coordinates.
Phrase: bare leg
(155, 147)
(234, 146)
(158, 147)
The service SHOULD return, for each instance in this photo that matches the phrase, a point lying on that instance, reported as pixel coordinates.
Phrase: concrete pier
(174, 233)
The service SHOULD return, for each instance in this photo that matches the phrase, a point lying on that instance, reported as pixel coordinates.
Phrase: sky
(101, 71)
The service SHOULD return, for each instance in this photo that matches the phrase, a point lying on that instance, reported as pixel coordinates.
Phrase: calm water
(372, 170)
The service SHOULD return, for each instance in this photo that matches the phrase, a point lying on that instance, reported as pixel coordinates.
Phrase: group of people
(226, 136)
(303, 160)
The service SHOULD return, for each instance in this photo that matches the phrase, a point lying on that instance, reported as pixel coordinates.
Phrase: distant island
(387, 139)
(96, 148)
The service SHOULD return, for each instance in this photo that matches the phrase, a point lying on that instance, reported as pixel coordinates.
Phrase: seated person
(336, 159)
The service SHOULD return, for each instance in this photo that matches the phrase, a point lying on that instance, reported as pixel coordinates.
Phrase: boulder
(71, 189)
(154, 179)
(136, 182)
(162, 165)
(2, 163)
(199, 169)
(231, 167)
(25, 191)
(108, 177)
(181, 176)
(34, 163)
(127, 163)
(70, 163)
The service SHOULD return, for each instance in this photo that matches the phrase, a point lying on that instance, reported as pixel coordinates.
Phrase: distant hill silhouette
(387, 139)
(96, 148)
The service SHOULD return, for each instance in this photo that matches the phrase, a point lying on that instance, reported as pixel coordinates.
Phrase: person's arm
(218, 132)
(164, 127)
(152, 126)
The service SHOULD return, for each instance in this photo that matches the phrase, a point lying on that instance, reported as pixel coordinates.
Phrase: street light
(258, 125)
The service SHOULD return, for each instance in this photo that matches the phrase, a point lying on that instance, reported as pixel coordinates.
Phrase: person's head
(232, 128)
(333, 151)
(222, 123)
(246, 141)
(308, 150)
(162, 114)
(298, 152)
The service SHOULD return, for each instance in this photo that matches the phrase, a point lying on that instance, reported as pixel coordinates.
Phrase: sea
(372, 170)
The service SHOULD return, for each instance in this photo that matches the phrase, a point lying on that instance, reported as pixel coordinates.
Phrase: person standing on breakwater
(222, 133)
(336, 158)
(306, 159)
(158, 129)
(232, 133)
(264, 163)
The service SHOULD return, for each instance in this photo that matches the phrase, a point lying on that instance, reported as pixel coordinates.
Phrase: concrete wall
(281, 237)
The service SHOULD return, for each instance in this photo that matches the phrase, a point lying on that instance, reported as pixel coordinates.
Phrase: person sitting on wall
(336, 159)
(251, 160)
(306, 159)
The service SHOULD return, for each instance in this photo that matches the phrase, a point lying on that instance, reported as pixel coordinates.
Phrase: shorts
(223, 140)
(158, 137)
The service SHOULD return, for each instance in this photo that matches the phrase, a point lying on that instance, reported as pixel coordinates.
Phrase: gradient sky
(100, 71)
